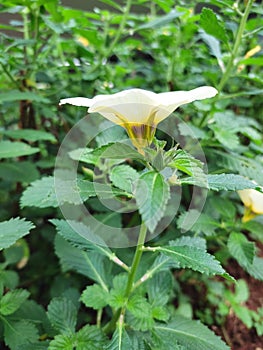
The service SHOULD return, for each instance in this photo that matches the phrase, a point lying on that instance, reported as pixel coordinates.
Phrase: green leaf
(196, 242)
(226, 182)
(159, 288)
(12, 230)
(212, 26)
(62, 342)
(30, 135)
(196, 222)
(10, 149)
(140, 317)
(15, 95)
(245, 166)
(117, 294)
(193, 258)
(89, 264)
(18, 333)
(187, 163)
(40, 194)
(152, 194)
(124, 176)
(62, 314)
(84, 155)
(241, 249)
(19, 172)
(90, 338)
(95, 297)
(77, 238)
(118, 150)
(12, 301)
(163, 20)
(189, 334)
(256, 269)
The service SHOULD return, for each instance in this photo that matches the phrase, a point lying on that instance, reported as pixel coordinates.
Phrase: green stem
(129, 287)
(237, 43)
(136, 260)
(230, 63)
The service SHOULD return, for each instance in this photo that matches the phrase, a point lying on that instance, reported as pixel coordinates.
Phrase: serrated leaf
(124, 177)
(152, 194)
(88, 264)
(117, 294)
(52, 192)
(62, 314)
(40, 194)
(139, 314)
(10, 149)
(77, 238)
(19, 172)
(30, 135)
(90, 338)
(189, 334)
(12, 230)
(226, 182)
(197, 242)
(193, 258)
(12, 301)
(212, 26)
(19, 333)
(187, 163)
(62, 342)
(159, 288)
(95, 297)
(241, 249)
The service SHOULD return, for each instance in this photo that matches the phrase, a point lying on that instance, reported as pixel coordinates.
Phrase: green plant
(112, 295)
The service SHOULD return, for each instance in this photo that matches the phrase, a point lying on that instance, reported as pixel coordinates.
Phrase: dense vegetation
(102, 235)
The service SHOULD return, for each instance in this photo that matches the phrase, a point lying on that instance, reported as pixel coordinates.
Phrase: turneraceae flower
(253, 201)
(139, 111)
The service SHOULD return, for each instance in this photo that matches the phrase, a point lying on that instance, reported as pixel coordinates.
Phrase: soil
(234, 332)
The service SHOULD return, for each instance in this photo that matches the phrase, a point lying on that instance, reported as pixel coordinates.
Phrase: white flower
(139, 111)
(253, 201)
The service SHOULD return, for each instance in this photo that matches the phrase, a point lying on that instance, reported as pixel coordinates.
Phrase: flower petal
(169, 101)
(77, 101)
(130, 106)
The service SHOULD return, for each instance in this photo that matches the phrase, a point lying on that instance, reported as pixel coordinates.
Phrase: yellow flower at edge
(140, 111)
(253, 201)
